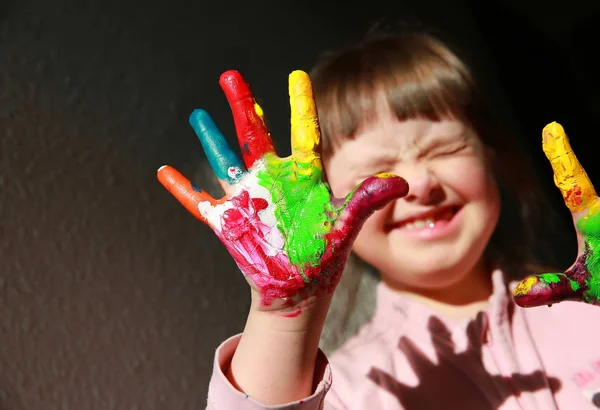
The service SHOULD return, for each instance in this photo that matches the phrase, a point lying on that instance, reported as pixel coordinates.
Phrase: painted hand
(581, 282)
(288, 234)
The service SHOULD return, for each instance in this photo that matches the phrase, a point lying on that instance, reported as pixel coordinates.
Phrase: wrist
(303, 317)
(288, 344)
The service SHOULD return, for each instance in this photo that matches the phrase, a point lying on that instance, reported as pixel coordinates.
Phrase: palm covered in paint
(288, 234)
(581, 282)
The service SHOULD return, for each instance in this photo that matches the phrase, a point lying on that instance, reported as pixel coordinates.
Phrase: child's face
(434, 236)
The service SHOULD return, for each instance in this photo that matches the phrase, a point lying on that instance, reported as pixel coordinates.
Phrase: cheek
(374, 224)
(338, 181)
(470, 179)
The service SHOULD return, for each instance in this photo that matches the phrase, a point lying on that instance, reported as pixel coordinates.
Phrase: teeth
(430, 222)
(420, 224)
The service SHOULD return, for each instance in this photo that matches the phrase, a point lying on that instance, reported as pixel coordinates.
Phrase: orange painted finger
(184, 191)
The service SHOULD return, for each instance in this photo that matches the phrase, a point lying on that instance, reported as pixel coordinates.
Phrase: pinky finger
(184, 191)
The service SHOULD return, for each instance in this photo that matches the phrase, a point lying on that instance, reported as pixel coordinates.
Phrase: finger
(223, 161)
(253, 137)
(191, 197)
(414, 355)
(547, 289)
(372, 194)
(441, 338)
(305, 132)
(569, 176)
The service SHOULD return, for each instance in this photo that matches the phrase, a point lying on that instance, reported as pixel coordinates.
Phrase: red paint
(245, 236)
(574, 196)
(373, 194)
(548, 293)
(253, 137)
(243, 233)
(292, 314)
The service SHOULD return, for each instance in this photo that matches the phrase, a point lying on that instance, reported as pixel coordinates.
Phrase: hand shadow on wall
(446, 383)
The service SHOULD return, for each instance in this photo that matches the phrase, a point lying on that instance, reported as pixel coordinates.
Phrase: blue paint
(223, 161)
(195, 188)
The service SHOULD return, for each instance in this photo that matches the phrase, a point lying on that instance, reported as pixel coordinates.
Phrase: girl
(446, 237)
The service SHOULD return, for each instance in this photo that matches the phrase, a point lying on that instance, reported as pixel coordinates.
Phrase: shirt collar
(393, 308)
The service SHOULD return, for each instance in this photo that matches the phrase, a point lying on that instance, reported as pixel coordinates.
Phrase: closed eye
(448, 151)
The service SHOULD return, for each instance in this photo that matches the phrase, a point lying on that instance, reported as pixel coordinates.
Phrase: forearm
(275, 360)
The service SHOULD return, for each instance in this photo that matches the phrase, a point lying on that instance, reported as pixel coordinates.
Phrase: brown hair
(420, 76)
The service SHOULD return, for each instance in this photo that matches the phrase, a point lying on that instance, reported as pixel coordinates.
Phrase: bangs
(412, 77)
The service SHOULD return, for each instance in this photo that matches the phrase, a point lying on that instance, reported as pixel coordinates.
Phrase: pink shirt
(409, 357)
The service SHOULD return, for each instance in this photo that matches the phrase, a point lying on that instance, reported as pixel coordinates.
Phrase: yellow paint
(385, 175)
(306, 134)
(569, 176)
(259, 111)
(525, 286)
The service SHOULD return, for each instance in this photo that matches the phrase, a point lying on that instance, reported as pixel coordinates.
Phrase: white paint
(213, 213)
(234, 173)
(273, 244)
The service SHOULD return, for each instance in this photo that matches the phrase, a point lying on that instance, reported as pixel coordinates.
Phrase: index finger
(253, 137)
(306, 135)
(569, 176)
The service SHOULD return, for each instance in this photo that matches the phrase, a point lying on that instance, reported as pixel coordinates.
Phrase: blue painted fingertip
(224, 162)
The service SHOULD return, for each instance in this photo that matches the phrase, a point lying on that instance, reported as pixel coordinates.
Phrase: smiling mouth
(429, 221)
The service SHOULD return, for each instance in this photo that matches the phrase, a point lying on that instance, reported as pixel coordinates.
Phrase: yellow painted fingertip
(569, 176)
(385, 175)
(525, 286)
(304, 120)
(299, 84)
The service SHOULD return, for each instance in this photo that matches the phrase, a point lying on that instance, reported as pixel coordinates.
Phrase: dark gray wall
(111, 295)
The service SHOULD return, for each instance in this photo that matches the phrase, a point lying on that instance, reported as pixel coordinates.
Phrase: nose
(424, 187)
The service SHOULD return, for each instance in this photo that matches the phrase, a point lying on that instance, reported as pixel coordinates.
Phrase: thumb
(547, 289)
(371, 195)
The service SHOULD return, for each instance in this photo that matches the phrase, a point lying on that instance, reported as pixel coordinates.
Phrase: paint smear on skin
(306, 134)
(589, 226)
(223, 161)
(302, 201)
(278, 224)
(579, 195)
(215, 213)
(302, 207)
(255, 238)
(550, 278)
(582, 280)
(569, 176)
(257, 248)
(253, 137)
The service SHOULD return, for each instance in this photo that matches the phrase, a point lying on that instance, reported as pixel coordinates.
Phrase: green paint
(302, 207)
(549, 277)
(589, 226)
(574, 285)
